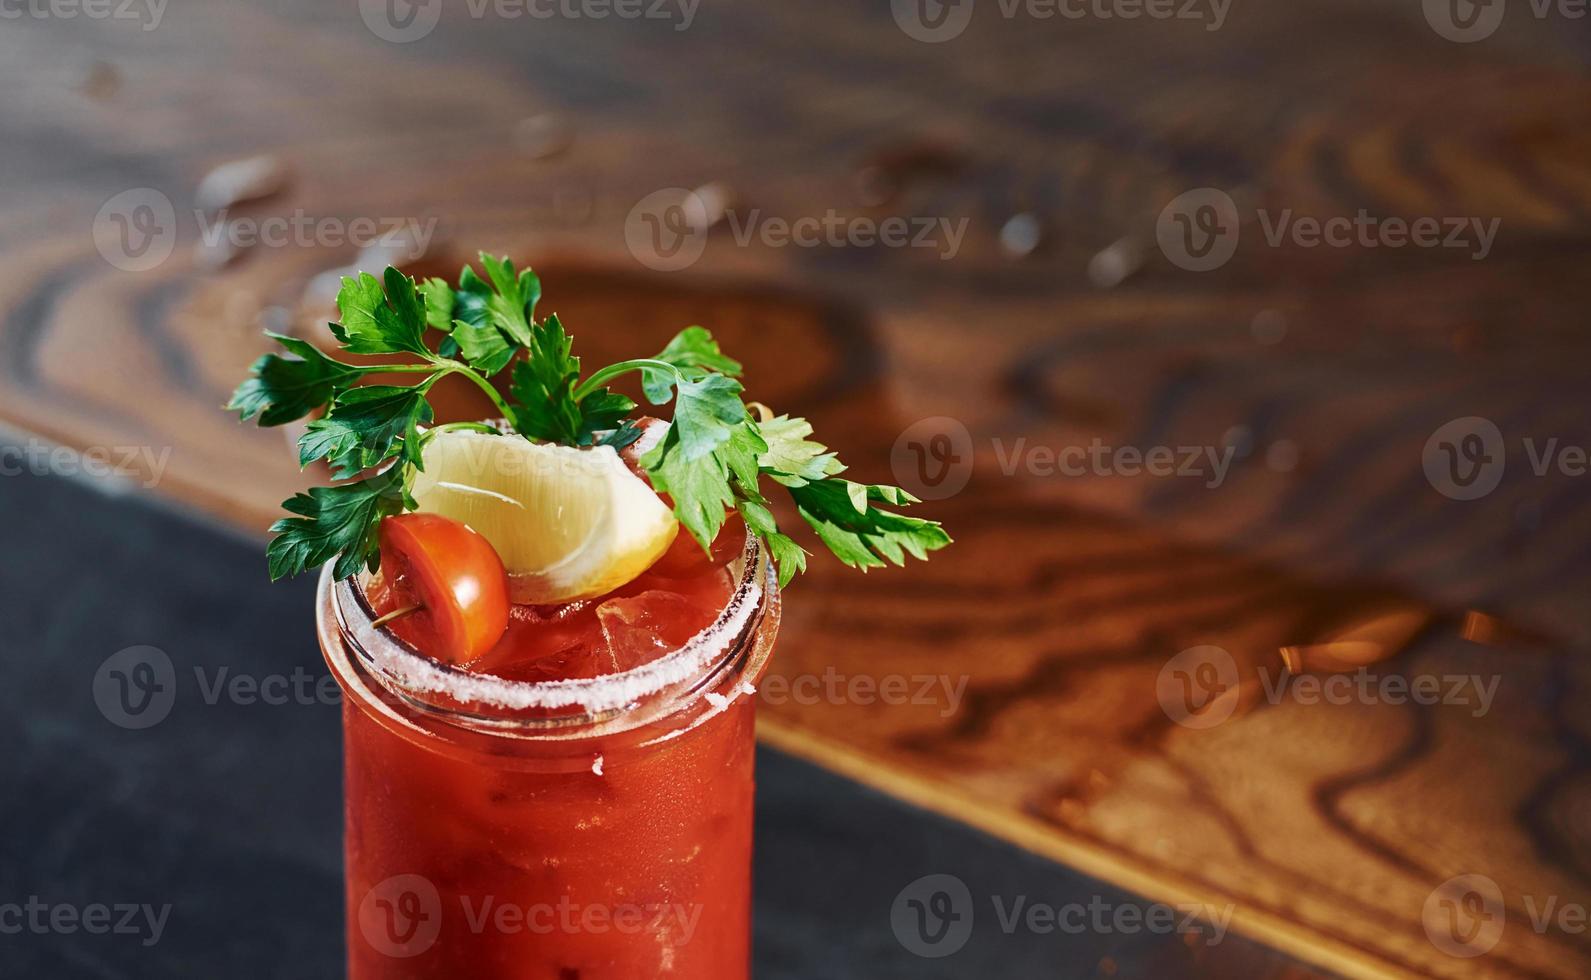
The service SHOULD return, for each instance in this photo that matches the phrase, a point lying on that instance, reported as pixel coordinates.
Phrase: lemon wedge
(568, 523)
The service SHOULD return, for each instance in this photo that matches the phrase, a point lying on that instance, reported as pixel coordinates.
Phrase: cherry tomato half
(454, 575)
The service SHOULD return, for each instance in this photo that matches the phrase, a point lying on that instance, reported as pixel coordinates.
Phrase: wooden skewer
(398, 614)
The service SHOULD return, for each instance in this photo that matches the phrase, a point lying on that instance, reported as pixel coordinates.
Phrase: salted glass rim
(395, 662)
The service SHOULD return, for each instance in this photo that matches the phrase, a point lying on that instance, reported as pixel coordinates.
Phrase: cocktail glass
(575, 828)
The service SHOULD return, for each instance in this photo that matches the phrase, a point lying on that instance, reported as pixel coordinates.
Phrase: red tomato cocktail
(575, 804)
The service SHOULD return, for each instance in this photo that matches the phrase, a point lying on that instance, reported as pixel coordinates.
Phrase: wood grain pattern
(1326, 826)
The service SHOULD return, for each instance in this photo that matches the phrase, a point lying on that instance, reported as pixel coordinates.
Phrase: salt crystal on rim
(418, 674)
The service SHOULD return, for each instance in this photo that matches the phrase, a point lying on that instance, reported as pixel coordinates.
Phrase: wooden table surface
(1333, 830)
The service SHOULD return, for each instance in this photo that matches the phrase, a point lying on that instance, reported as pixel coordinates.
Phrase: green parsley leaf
(333, 522)
(791, 458)
(601, 411)
(692, 348)
(284, 389)
(478, 318)
(404, 299)
(370, 325)
(469, 302)
(700, 487)
(438, 297)
(742, 453)
(367, 426)
(789, 557)
(483, 346)
(513, 306)
(626, 433)
(544, 386)
(544, 391)
(705, 413)
(868, 537)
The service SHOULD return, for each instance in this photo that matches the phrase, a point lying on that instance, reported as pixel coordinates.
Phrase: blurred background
(1242, 348)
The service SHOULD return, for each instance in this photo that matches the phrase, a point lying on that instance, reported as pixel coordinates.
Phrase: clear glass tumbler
(596, 829)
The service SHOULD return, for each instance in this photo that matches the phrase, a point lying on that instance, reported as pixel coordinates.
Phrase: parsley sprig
(712, 459)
